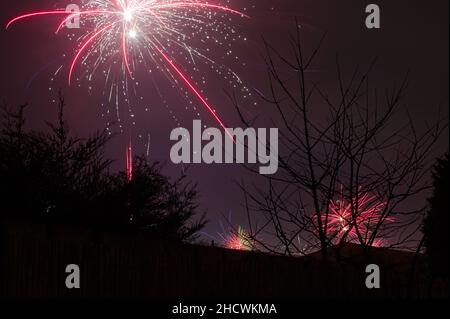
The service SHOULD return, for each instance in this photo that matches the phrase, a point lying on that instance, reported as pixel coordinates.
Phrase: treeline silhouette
(54, 177)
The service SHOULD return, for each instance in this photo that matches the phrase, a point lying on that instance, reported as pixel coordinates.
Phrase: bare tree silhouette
(352, 162)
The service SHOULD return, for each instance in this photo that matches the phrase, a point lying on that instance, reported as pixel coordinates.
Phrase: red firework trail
(129, 160)
(84, 46)
(194, 90)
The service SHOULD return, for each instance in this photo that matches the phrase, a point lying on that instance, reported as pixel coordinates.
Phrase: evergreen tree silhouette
(436, 221)
(53, 177)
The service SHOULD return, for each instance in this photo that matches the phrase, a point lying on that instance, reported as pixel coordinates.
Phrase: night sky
(413, 36)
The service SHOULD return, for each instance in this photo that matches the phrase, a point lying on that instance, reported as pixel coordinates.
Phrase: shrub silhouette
(54, 177)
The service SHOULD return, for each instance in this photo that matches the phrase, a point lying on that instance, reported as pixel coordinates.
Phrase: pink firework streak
(135, 28)
(341, 222)
(129, 162)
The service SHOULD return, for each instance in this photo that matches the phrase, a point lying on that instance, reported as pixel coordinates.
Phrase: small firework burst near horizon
(237, 240)
(119, 40)
(232, 237)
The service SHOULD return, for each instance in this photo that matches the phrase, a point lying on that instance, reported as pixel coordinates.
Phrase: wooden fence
(34, 258)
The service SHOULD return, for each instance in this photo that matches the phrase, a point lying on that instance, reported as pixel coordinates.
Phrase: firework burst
(125, 36)
(345, 219)
(232, 237)
(237, 240)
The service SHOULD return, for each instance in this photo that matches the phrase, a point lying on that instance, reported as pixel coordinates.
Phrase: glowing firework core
(127, 15)
(132, 34)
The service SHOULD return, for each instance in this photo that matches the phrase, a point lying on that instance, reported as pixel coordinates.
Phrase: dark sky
(414, 36)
